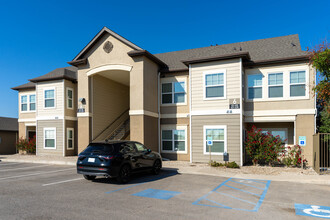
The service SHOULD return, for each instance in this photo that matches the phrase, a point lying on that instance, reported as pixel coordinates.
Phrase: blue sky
(39, 36)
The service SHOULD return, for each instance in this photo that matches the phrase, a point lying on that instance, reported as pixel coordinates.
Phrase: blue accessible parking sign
(312, 210)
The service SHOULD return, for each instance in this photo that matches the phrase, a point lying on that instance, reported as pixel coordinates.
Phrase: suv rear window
(100, 148)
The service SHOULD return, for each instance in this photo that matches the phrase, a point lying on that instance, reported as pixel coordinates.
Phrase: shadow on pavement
(140, 177)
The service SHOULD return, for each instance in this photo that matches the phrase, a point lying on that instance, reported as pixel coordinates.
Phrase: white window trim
(290, 84)
(174, 81)
(67, 138)
(286, 83)
(44, 99)
(247, 87)
(44, 139)
(275, 85)
(174, 127)
(204, 138)
(28, 102)
(67, 98)
(224, 71)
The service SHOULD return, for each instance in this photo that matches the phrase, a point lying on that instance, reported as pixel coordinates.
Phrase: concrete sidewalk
(295, 175)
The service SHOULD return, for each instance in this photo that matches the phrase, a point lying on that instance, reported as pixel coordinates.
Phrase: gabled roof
(29, 85)
(277, 48)
(68, 73)
(8, 124)
(104, 30)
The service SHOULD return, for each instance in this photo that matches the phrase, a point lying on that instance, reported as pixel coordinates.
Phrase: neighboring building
(8, 135)
(173, 102)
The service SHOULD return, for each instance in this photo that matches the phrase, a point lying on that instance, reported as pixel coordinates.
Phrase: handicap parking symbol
(312, 210)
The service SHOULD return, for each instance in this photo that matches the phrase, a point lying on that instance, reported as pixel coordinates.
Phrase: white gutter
(241, 113)
(158, 91)
(190, 142)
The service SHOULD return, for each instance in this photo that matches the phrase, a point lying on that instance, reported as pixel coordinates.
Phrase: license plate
(92, 160)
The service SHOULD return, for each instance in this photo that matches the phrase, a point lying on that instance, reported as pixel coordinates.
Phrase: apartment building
(173, 102)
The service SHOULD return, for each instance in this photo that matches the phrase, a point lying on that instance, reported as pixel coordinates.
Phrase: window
(174, 140)
(275, 85)
(50, 138)
(24, 105)
(282, 132)
(173, 92)
(140, 147)
(70, 138)
(255, 86)
(215, 85)
(126, 148)
(69, 96)
(297, 83)
(32, 102)
(50, 98)
(219, 136)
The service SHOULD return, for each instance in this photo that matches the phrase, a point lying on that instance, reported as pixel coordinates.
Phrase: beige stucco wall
(233, 73)
(58, 85)
(110, 100)
(150, 85)
(71, 124)
(305, 127)
(281, 103)
(25, 115)
(21, 130)
(180, 108)
(233, 136)
(58, 124)
(84, 133)
(70, 112)
(178, 122)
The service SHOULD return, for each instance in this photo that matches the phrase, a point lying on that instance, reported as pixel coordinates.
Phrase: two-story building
(173, 102)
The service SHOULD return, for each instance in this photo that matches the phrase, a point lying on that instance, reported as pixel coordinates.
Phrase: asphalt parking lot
(39, 191)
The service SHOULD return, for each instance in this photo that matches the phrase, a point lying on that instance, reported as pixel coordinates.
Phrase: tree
(320, 59)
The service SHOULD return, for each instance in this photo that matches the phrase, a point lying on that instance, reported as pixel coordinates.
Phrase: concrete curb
(55, 162)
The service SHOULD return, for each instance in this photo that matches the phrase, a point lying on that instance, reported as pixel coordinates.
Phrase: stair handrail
(116, 119)
(123, 123)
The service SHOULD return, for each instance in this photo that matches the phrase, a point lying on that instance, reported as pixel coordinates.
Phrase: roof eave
(18, 88)
(36, 80)
(243, 55)
(277, 61)
(136, 53)
(79, 62)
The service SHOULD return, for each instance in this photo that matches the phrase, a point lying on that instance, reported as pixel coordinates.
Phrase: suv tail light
(81, 157)
(106, 157)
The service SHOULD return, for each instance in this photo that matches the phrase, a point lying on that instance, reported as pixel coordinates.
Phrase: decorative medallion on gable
(107, 47)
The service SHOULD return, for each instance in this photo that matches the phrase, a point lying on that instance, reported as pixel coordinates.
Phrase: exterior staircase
(119, 129)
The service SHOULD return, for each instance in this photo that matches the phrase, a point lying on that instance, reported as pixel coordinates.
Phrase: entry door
(31, 134)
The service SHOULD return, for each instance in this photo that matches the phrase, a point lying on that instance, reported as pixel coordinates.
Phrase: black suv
(117, 159)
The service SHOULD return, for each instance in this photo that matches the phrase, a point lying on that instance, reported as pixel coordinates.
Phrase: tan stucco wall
(110, 100)
(8, 142)
(21, 130)
(233, 136)
(151, 132)
(150, 85)
(305, 127)
(84, 132)
(178, 122)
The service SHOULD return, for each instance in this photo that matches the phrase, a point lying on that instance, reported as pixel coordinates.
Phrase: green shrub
(228, 165)
(232, 165)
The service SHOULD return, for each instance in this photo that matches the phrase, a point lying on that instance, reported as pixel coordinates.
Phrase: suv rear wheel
(88, 177)
(124, 174)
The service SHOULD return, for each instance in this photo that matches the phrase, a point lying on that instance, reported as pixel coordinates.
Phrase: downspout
(190, 142)
(159, 141)
(241, 113)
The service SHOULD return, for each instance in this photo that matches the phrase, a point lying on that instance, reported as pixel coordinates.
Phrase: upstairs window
(214, 85)
(32, 102)
(69, 96)
(50, 98)
(24, 103)
(275, 85)
(173, 92)
(297, 83)
(255, 86)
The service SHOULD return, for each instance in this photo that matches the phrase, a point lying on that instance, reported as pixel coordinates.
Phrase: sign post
(209, 143)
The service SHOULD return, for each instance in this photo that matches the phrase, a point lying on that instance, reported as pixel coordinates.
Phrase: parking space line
(24, 168)
(64, 181)
(243, 190)
(225, 194)
(35, 174)
(247, 184)
(1, 164)
(124, 188)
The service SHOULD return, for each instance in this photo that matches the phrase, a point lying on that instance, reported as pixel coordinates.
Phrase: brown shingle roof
(259, 50)
(29, 85)
(69, 73)
(8, 124)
